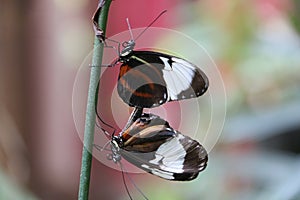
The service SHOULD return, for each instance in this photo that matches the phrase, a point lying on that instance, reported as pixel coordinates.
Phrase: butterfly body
(152, 145)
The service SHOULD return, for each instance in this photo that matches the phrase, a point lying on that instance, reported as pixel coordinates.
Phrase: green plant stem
(88, 141)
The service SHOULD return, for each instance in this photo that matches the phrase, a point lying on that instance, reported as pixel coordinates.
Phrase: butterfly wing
(149, 79)
(158, 149)
(141, 84)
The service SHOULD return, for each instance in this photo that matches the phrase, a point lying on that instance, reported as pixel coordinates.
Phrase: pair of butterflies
(149, 79)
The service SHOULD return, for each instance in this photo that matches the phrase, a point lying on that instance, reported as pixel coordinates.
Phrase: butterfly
(149, 79)
(152, 145)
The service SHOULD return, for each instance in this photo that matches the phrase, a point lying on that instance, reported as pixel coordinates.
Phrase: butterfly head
(115, 149)
(128, 47)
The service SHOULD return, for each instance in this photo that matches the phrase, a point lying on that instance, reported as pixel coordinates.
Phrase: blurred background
(256, 46)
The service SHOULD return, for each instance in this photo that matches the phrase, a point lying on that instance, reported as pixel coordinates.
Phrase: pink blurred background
(255, 44)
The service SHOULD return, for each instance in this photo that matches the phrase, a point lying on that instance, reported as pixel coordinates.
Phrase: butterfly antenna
(123, 177)
(136, 187)
(151, 24)
(129, 28)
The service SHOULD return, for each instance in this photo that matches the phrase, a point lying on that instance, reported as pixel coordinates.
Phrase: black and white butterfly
(149, 78)
(151, 144)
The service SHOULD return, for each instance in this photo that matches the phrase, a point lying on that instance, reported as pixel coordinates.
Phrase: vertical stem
(90, 111)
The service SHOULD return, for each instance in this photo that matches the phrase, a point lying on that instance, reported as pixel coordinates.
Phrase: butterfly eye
(144, 120)
(109, 156)
(125, 44)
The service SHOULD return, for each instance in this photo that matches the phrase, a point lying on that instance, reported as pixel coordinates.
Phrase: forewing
(141, 84)
(183, 79)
